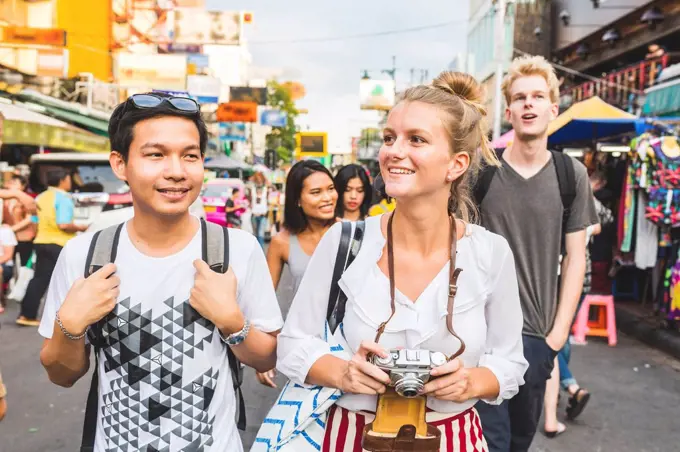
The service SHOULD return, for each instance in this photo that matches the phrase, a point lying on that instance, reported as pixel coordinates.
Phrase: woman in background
(309, 212)
(354, 188)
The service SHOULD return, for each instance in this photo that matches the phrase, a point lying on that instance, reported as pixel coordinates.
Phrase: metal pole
(500, 56)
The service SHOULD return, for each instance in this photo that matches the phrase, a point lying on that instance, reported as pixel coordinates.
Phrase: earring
(449, 178)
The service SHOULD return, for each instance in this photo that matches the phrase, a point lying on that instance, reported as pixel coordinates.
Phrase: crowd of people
(454, 249)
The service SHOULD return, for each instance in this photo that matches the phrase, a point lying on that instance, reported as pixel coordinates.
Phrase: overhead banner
(166, 72)
(274, 118)
(376, 94)
(248, 94)
(197, 64)
(204, 88)
(237, 112)
(197, 26)
(33, 36)
(232, 131)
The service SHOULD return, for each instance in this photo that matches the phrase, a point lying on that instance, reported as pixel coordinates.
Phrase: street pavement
(634, 408)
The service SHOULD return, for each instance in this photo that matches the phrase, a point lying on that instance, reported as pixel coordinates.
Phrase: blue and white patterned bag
(297, 421)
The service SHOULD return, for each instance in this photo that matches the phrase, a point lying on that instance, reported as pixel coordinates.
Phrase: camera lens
(409, 386)
(410, 393)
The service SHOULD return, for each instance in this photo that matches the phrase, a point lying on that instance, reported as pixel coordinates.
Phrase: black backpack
(566, 179)
(215, 252)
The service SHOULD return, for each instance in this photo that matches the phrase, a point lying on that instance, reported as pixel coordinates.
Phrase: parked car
(215, 194)
(95, 188)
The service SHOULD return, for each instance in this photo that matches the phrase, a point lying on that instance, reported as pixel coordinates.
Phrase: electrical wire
(358, 35)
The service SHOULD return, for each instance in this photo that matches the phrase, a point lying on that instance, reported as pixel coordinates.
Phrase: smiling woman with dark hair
(308, 213)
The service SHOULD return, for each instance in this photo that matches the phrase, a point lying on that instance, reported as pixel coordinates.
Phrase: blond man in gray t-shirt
(524, 204)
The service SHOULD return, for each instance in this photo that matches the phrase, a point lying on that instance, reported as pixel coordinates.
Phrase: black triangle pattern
(145, 352)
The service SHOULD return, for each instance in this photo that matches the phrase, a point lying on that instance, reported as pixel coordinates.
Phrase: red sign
(237, 112)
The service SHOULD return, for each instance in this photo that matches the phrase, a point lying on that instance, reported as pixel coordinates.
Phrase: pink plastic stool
(604, 326)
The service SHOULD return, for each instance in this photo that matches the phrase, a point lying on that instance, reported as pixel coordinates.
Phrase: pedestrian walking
(309, 212)
(404, 291)
(354, 192)
(540, 202)
(165, 301)
(16, 215)
(8, 243)
(231, 208)
(55, 228)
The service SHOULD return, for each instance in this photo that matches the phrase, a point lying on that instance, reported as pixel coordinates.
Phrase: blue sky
(331, 71)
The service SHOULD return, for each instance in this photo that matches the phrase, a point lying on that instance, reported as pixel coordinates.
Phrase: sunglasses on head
(153, 100)
(143, 101)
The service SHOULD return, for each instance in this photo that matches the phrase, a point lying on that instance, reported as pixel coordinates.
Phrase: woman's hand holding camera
(361, 377)
(450, 381)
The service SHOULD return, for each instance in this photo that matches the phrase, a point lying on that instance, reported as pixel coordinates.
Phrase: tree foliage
(282, 138)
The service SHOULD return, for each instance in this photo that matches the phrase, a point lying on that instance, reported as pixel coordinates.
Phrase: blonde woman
(434, 140)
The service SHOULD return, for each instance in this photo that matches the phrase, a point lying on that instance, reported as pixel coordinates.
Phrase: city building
(619, 48)
(56, 38)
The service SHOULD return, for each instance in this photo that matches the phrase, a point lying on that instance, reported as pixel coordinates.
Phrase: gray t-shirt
(528, 213)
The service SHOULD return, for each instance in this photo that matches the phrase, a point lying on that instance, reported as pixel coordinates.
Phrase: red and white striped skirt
(460, 433)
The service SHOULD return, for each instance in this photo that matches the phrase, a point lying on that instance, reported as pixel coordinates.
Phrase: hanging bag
(297, 421)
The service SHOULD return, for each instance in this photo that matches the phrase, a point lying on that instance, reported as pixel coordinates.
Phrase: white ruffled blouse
(487, 313)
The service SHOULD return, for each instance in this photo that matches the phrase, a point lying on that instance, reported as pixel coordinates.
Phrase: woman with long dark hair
(354, 192)
(309, 212)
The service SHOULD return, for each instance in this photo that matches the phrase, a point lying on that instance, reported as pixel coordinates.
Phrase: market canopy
(589, 120)
(27, 127)
(226, 163)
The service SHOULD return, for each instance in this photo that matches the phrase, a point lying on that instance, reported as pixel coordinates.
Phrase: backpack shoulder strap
(215, 252)
(566, 178)
(483, 182)
(103, 249)
(348, 249)
(215, 246)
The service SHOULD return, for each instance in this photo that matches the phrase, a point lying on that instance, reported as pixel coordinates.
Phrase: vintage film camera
(409, 370)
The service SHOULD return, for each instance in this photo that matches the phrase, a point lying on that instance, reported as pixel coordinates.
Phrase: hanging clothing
(647, 240)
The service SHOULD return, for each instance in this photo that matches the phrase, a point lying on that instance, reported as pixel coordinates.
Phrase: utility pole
(499, 57)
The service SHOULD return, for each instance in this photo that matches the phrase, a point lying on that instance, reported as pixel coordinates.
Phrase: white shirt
(261, 207)
(164, 378)
(7, 238)
(487, 313)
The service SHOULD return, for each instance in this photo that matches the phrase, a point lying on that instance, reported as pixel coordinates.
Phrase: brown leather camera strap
(404, 441)
(453, 282)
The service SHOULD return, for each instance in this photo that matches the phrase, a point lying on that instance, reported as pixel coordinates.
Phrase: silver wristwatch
(237, 337)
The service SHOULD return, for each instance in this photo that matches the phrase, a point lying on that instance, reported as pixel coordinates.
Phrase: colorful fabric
(628, 201)
(459, 433)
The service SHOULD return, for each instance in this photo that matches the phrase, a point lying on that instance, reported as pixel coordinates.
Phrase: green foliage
(282, 138)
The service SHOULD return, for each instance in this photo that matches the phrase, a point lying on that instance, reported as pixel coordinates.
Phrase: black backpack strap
(348, 249)
(215, 252)
(483, 182)
(566, 179)
(103, 250)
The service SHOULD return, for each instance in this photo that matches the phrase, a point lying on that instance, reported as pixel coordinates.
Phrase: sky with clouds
(331, 70)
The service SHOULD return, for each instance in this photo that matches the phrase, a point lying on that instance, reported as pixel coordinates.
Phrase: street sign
(311, 144)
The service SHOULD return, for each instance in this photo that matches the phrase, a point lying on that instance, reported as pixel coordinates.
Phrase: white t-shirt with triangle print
(164, 378)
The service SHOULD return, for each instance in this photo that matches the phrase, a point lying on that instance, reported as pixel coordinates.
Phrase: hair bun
(462, 85)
